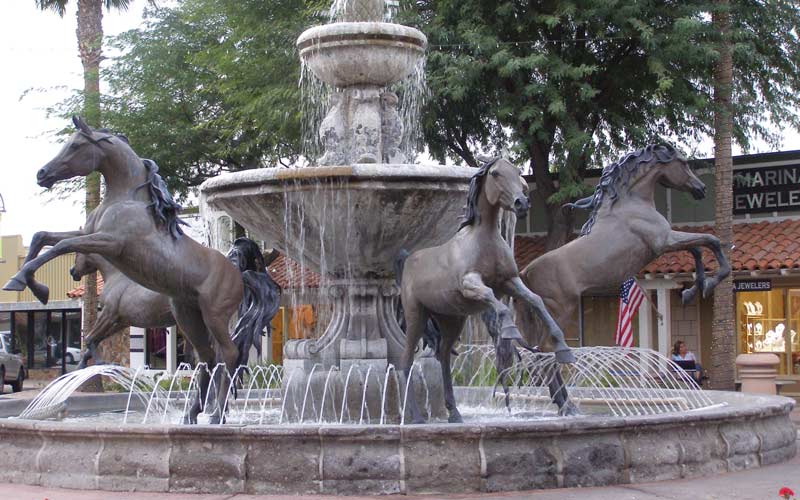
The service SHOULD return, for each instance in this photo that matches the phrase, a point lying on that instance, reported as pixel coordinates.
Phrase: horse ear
(81, 125)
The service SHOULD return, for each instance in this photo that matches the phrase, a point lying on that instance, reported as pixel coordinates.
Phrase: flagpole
(649, 300)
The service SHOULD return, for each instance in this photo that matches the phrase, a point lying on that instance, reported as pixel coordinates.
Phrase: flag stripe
(630, 297)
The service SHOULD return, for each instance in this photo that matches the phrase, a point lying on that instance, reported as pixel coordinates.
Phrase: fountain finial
(355, 11)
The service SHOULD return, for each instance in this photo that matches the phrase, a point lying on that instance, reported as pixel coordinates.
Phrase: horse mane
(475, 185)
(165, 209)
(618, 175)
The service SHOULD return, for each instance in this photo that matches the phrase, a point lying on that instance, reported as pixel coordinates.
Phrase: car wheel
(70, 358)
(2, 378)
(16, 385)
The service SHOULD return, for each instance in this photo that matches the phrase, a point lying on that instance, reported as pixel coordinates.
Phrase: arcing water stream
(605, 380)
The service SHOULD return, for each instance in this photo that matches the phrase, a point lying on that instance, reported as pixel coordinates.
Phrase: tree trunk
(90, 39)
(723, 333)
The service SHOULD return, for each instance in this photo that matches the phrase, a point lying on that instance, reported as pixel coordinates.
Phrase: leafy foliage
(570, 84)
(210, 86)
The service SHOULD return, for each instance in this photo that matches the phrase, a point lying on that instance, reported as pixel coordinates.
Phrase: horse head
(84, 264)
(502, 185)
(675, 173)
(505, 187)
(80, 156)
(246, 255)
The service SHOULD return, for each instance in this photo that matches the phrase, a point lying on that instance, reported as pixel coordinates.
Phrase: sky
(38, 52)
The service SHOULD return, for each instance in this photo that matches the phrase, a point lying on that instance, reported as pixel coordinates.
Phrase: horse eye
(494, 173)
(73, 146)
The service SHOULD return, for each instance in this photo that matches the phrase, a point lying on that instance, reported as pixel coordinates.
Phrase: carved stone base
(349, 363)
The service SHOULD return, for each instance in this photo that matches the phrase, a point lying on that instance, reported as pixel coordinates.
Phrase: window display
(768, 321)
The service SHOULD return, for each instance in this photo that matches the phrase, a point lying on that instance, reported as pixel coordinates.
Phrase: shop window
(156, 351)
(768, 322)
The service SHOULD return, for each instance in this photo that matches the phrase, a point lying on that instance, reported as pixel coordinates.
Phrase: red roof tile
(759, 246)
(78, 291)
(288, 274)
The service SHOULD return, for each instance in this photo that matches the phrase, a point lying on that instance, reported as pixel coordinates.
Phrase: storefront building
(48, 337)
(765, 262)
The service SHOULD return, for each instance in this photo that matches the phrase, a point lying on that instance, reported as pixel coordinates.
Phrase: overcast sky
(38, 50)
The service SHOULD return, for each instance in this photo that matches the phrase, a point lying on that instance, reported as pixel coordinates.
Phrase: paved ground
(755, 484)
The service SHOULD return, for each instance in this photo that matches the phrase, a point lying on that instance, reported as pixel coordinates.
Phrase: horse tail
(260, 303)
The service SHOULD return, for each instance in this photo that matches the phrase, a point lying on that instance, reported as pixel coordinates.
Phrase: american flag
(630, 296)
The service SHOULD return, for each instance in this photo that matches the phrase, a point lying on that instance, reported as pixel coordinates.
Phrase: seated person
(681, 353)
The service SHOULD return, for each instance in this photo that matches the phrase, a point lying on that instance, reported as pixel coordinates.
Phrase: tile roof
(760, 246)
(289, 274)
(78, 291)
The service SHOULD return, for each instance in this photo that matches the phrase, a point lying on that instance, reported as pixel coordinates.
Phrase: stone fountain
(348, 216)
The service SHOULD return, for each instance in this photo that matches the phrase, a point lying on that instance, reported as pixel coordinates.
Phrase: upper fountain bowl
(345, 220)
(343, 54)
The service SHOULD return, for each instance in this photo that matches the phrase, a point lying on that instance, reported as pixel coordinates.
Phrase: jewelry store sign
(767, 189)
(752, 285)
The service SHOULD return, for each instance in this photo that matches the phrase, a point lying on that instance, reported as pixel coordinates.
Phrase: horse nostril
(41, 173)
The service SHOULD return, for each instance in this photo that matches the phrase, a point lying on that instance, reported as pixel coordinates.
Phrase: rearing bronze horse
(137, 229)
(624, 233)
(469, 274)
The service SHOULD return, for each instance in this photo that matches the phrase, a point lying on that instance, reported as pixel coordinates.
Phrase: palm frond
(57, 6)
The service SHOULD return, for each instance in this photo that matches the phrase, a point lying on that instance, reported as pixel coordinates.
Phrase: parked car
(73, 355)
(12, 371)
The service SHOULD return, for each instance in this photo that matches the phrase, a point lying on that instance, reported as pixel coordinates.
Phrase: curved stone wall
(744, 431)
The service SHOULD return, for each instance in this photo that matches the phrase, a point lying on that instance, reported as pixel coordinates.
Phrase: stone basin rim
(315, 38)
(747, 407)
(354, 173)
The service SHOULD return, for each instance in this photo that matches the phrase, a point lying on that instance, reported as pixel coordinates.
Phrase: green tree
(570, 84)
(89, 34)
(211, 86)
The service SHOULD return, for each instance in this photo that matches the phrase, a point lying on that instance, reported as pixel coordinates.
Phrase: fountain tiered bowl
(361, 53)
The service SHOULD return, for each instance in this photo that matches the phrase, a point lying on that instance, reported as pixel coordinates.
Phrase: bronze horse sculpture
(125, 303)
(623, 234)
(137, 229)
(468, 274)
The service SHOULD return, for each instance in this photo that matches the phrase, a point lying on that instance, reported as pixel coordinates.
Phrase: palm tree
(723, 334)
(90, 48)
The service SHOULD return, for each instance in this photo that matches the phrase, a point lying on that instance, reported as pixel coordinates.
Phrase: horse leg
(473, 288)
(517, 289)
(190, 321)
(106, 325)
(679, 240)
(700, 276)
(104, 244)
(415, 326)
(216, 320)
(42, 239)
(451, 329)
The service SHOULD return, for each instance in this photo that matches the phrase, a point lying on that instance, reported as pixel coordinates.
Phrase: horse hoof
(14, 285)
(41, 292)
(688, 295)
(565, 356)
(568, 410)
(455, 418)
